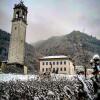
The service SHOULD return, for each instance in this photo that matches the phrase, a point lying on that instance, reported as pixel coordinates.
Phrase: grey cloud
(55, 17)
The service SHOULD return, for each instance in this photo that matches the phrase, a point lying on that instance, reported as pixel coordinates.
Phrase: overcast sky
(48, 18)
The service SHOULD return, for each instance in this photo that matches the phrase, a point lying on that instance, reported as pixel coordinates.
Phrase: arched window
(17, 14)
(23, 15)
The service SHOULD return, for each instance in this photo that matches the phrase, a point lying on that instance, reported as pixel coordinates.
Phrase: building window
(61, 63)
(46, 63)
(42, 69)
(64, 68)
(43, 63)
(46, 69)
(57, 69)
(49, 69)
(60, 69)
(69, 63)
(57, 63)
(53, 63)
(49, 63)
(53, 70)
(64, 62)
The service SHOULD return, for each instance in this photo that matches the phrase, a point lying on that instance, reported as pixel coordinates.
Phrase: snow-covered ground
(8, 77)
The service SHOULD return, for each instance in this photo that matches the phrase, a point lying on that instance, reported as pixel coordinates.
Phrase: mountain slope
(4, 45)
(79, 46)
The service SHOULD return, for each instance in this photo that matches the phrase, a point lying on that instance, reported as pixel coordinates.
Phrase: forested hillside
(79, 46)
(31, 59)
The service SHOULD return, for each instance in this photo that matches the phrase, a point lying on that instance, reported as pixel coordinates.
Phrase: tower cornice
(18, 19)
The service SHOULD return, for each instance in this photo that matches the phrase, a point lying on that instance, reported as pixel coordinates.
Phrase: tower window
(17, 14)
(23, 16)
(64, 68)
(21, 41)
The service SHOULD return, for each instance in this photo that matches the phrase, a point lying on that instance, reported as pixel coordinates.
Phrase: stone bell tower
(18, 34)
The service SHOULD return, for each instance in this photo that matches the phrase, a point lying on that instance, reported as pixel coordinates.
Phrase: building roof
(54, 57)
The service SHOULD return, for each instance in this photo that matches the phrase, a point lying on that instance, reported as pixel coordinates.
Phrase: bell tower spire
(18, 34)
(21, 0)
(20, 12)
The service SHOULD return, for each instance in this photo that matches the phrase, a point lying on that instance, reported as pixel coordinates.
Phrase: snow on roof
(56, 57)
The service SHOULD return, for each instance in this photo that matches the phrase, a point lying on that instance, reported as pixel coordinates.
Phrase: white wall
(69, 66)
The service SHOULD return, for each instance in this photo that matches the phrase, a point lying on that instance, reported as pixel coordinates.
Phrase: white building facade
(57, 64)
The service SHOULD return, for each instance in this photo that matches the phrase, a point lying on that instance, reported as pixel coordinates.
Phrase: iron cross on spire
(21, 1)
